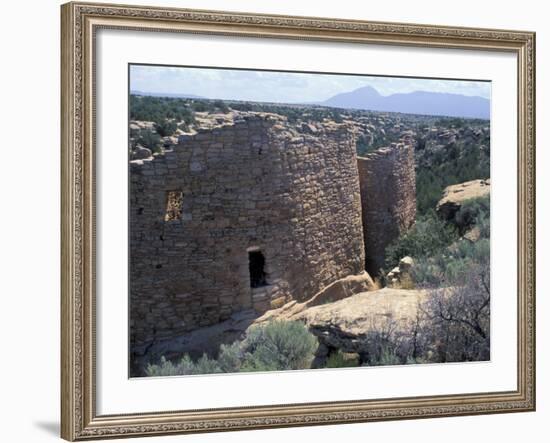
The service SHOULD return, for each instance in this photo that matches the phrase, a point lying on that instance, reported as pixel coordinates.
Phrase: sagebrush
(275, 346)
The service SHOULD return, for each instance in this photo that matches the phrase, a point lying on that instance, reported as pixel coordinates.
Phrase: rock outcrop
(455, 195)
(140, 153)
(348, 325)
(401, 274)
(338, 290)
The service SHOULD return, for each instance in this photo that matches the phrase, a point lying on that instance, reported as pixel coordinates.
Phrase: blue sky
(282, 86)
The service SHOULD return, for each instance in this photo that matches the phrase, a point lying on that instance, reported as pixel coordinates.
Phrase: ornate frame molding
(79, 23)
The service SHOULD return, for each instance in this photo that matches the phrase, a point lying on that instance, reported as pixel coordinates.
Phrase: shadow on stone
(206, 340)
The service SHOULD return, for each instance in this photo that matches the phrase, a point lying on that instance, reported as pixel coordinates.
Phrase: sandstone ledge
(346, 324)
(455, 195)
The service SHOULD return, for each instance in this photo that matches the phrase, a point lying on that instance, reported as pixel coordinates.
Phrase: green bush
(338, 360)
(158, 109)
(441, 256)
(429, 236)
(275, 346)
(221, 106)
(453, 265)
(386, 357)
(474, 212)
(205, 365)
(455, 163)
(166, 127)
(230, 357)
(279, 346)
(337, 117)
(149, 139)
(166, 368)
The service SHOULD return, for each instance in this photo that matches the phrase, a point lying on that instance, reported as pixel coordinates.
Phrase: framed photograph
(277, 221)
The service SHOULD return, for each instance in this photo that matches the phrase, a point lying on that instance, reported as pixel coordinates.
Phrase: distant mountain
(166, 94)
(419, 102)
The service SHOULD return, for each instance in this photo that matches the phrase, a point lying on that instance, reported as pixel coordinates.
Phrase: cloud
(283, 86)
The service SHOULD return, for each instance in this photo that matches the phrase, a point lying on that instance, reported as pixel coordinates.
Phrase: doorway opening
(256, 267)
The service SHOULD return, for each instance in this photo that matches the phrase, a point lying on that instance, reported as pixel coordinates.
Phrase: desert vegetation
(452, 262)
(276, 346)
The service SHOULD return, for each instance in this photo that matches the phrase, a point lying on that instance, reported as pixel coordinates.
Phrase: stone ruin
(254, 213)
(388, 199)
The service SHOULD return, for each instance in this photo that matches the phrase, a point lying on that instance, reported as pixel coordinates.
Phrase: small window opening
(256, 265)
(174, 205)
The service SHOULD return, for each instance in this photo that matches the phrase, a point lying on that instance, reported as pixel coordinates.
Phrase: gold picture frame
(79, 22)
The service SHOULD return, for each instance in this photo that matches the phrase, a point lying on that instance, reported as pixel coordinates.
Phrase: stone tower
(388, 199)
(249, 214)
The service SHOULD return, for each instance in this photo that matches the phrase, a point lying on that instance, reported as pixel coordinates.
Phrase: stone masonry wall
(388, 199)
(258, 183)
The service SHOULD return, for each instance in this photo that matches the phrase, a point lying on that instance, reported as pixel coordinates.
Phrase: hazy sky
(282, 86)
